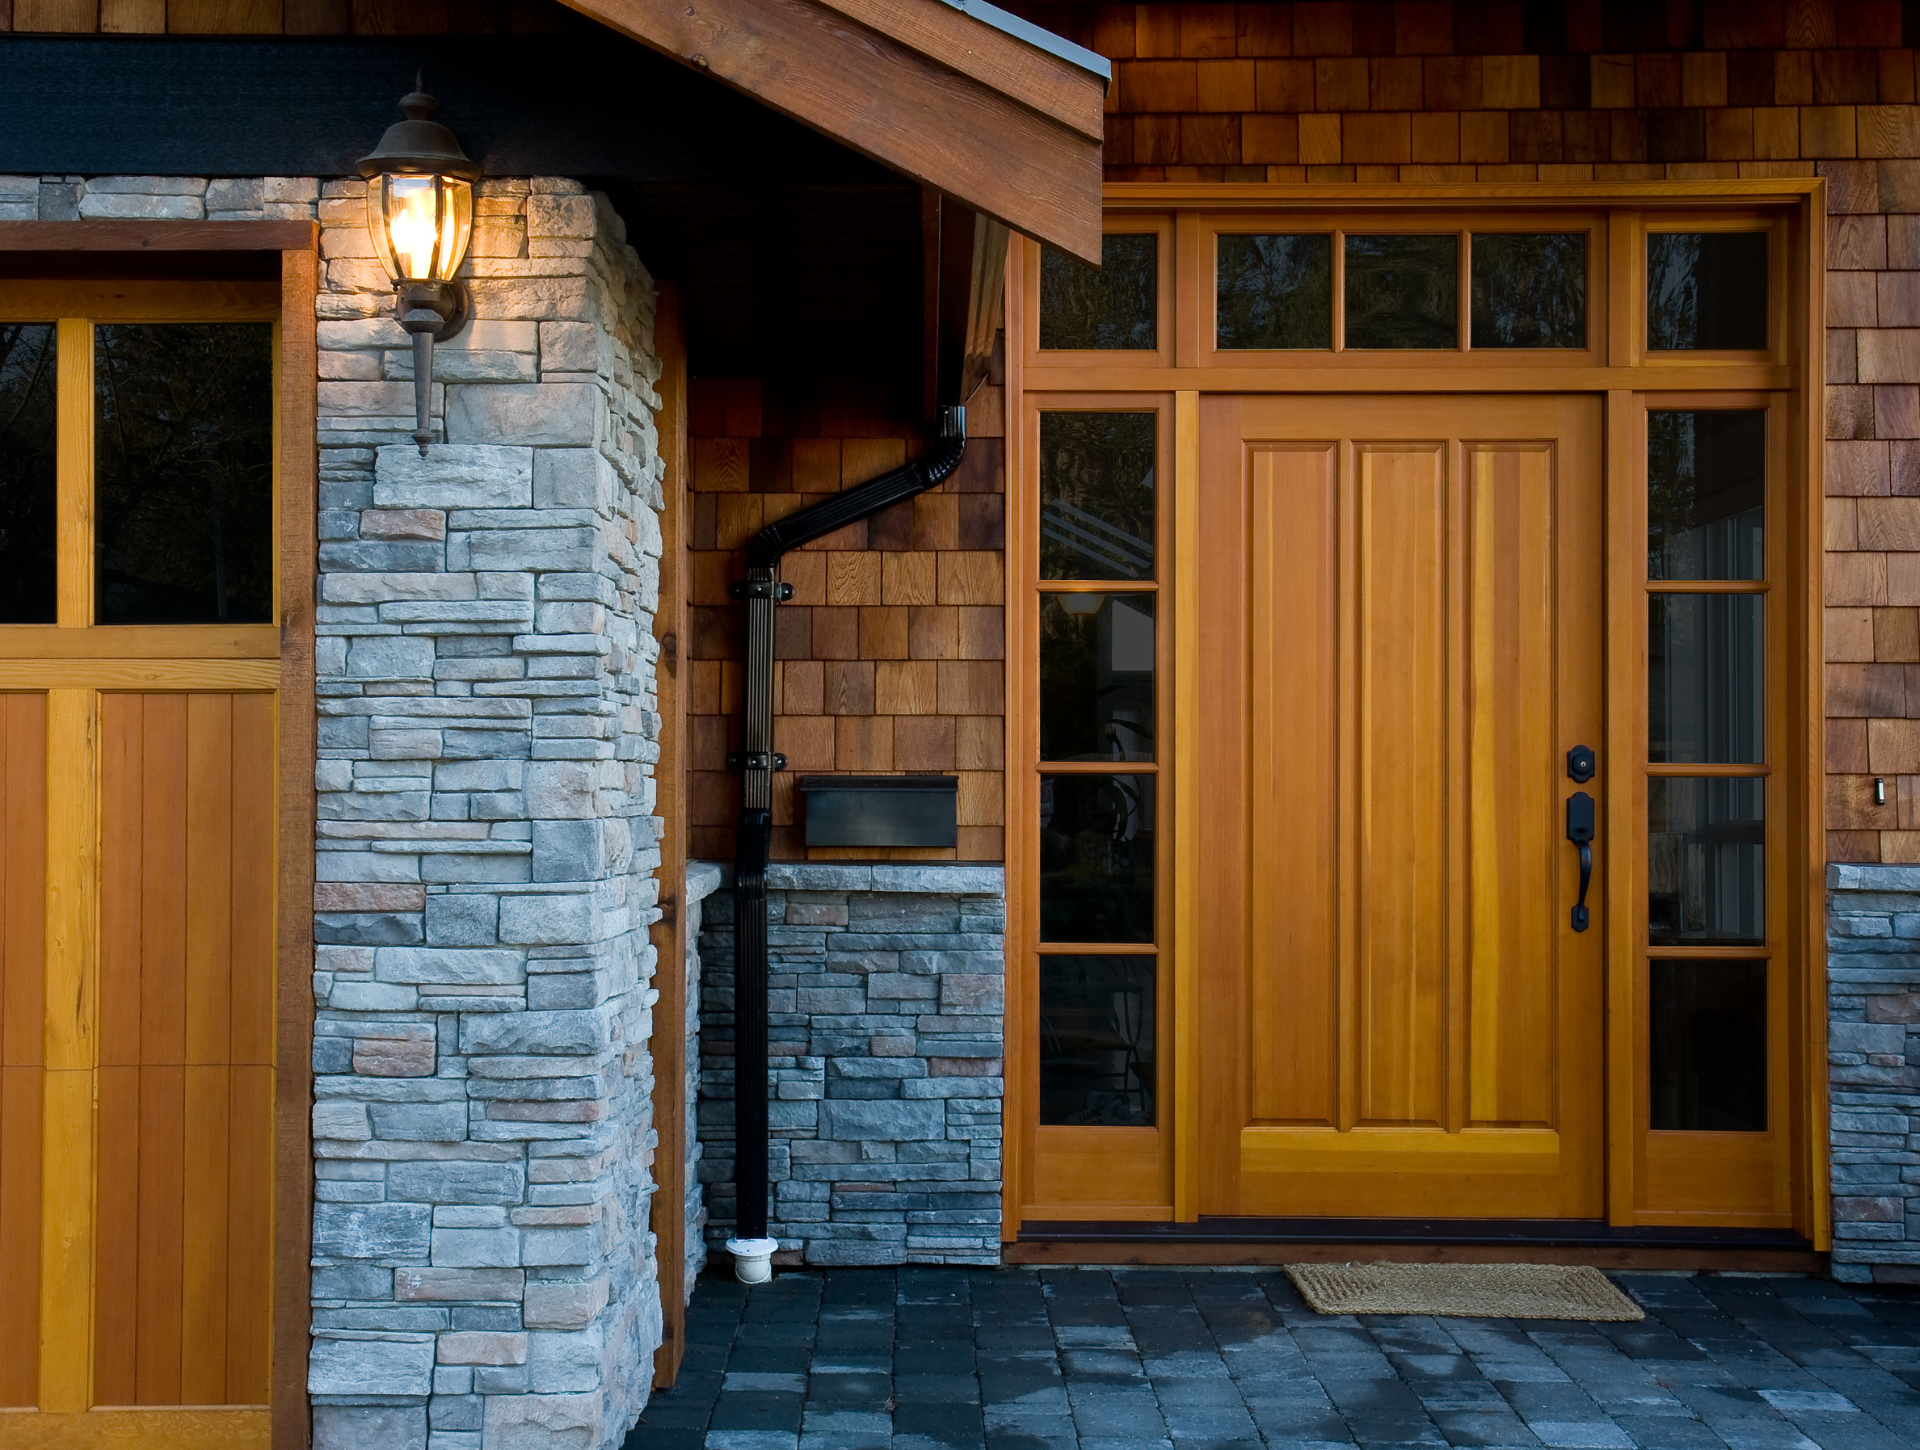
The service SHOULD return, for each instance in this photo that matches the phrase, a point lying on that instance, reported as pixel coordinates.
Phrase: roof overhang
(956, 94)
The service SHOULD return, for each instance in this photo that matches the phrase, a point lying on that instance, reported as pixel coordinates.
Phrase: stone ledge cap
(703, 879)
(1844, 877)
(933, 878)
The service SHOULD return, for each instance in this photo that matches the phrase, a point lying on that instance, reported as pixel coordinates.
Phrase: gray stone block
(454, 1181)
(371, 1231)
(419, 1122)
(369, 1427)
(343, 1363)
(885, 1121)
(544, 1421)
(544, 415)
(558, 919)
(450, 965)
(466, 919)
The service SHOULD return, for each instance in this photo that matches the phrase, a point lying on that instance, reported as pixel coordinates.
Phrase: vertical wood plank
(1404, 783)
(73, 545)
(1295, 771)
(133, 17)
(224, 17)
(1807, 885)
(293, 904)
(1185, 1116)
(117, 1246)
(1626, 531)
(23, 819)
(72, 963)
(1511, 1033)
(669, 935)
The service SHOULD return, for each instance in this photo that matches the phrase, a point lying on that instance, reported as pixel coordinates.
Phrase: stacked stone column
(484, 1274)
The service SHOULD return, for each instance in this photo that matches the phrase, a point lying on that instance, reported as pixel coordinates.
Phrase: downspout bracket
(761, 589)
(756, 760)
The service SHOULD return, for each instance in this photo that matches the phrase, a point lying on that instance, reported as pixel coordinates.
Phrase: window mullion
(74, 474)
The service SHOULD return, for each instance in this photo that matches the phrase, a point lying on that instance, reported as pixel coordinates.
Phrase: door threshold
(1221, 1240)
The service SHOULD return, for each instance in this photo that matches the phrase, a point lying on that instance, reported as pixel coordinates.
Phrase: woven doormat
(1486, 1291)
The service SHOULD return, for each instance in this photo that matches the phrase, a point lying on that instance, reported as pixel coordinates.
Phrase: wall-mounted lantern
(420, 216)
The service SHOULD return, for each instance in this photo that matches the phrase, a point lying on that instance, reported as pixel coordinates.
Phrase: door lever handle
(1580, 832)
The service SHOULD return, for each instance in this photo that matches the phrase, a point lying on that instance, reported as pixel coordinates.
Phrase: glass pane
(1096, 495)
(1403, 291)
(1096, 858)
(27, 484)
(1708, 1024)
(1706, 867)
(1706, 491)
(1705, 671)
(184, 472)
(1096, 1041)
(1096, 677)
(1114, 307)
(1530, 289)
(1274, 291)
(1706, 290)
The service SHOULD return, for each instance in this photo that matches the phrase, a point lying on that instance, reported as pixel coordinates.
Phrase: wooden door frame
(1795, 367)
(290, 251)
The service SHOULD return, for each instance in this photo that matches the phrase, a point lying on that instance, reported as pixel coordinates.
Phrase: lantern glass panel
(421, 225)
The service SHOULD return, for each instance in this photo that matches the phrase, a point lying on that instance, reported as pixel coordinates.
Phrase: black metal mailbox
(881, 810)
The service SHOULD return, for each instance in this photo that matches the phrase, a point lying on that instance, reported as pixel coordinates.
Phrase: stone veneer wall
(1873, 1003)
(885, 1035)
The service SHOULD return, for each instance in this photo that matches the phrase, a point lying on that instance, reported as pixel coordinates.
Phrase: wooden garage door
(139, 665)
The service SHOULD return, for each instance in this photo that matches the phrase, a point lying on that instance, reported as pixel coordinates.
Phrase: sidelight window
(1707, 859)
(1098, 837)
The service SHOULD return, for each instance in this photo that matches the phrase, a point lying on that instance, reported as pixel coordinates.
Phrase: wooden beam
(879, 95)
(289, 236)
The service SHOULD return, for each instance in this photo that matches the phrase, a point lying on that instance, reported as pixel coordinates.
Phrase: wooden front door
(1400, 631)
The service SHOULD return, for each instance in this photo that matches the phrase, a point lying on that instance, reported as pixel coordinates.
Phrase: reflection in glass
(1096, 1041)
(1096, 858)
(1706, 290)
(1274, 291)
(1706, 861)
(184, 472)
(1096, 495)
(1706, 490)
(1705, 671)
(1113, 307)
(1096, 677)
(27, 482)
(1529, 289)
(1708, 1046)
(1403, 292)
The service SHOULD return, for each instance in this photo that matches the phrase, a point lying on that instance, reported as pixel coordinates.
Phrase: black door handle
(1580, 832)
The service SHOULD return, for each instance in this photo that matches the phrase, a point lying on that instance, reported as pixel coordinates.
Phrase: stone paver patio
(1130, 1359)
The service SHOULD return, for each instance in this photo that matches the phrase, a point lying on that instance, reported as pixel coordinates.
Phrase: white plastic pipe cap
(752, 1259)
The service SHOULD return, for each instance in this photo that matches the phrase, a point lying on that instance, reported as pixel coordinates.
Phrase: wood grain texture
(23, 890)
(888, 101)
(187, 946)
(235, 1428)
(158, 236)
(1419, 1026)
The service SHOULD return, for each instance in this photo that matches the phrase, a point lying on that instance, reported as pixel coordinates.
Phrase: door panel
(186, 822)
(1406, 1021)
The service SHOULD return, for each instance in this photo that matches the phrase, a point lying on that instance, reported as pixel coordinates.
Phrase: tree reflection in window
(1114, 307)
(1096, 858)
(27, 480)
(1529, 289)
(184, 472)
(1274, 291)
(1096, 1041)
(1096, 495)
(1403, 291)
(1706, 290)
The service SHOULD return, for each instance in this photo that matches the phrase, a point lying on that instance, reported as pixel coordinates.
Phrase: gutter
(756, 761)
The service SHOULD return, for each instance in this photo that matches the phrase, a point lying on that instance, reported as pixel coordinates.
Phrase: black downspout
(757, 761)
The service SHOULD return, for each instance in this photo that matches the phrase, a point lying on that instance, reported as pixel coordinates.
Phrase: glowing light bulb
(412, 223)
